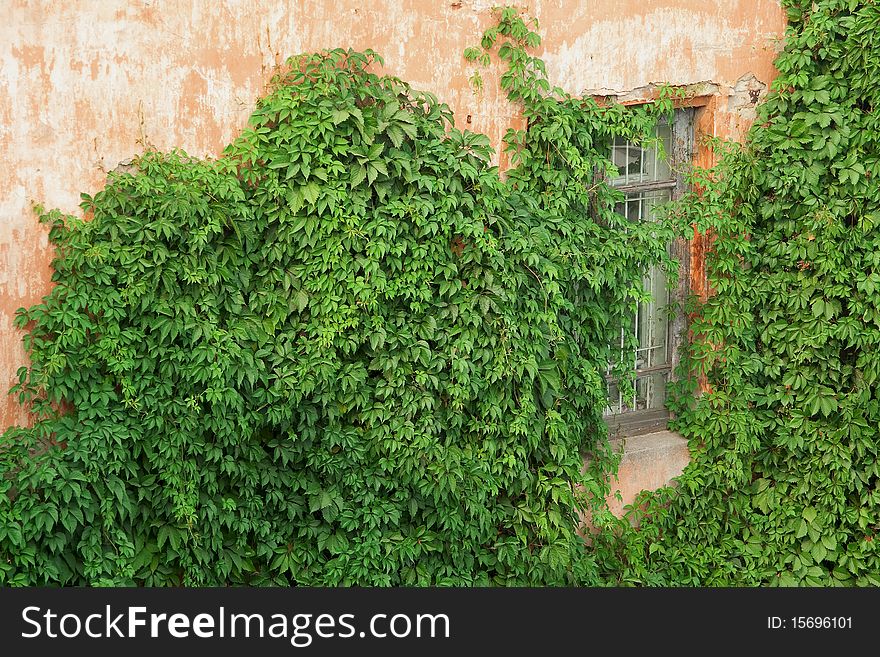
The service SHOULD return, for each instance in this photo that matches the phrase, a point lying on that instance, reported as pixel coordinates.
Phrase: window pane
(619, 157)
(651, 360)
(657, 163)
(650, 391)
(643, 163)
(652, 324)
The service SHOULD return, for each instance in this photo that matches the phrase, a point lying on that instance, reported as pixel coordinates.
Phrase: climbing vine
(344, 352)
(348, 351)
(784, 488)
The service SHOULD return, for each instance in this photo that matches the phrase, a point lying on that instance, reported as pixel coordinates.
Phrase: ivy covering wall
(348, 352)
(785, 484)
(345, 352)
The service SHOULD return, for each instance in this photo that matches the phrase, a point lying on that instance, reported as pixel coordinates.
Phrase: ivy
(346, 352)
(349, 352)
(784, 488)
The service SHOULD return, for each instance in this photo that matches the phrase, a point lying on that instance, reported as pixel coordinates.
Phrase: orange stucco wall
(87, 83)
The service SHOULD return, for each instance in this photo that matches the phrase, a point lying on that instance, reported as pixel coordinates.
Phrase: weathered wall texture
(88, 84)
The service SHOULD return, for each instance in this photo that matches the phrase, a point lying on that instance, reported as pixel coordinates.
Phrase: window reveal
(649, 178)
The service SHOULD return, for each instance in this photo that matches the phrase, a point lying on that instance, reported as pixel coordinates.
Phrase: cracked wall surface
(89, 84)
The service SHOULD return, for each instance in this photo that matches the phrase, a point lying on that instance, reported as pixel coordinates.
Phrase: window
(648, 179)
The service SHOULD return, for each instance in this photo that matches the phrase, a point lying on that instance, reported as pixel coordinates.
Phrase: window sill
(650, 461)
(637, 423)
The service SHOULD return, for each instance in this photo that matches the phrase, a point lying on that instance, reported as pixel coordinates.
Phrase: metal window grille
(649, 179)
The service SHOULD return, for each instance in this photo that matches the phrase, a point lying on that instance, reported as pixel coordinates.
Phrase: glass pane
(652, 357)
(643, 163)
(653, 200)
(657, 162)
(652, 322)
(619, 157)
(650, 392)
(614, 399)
(635, 167)
(641, 206)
